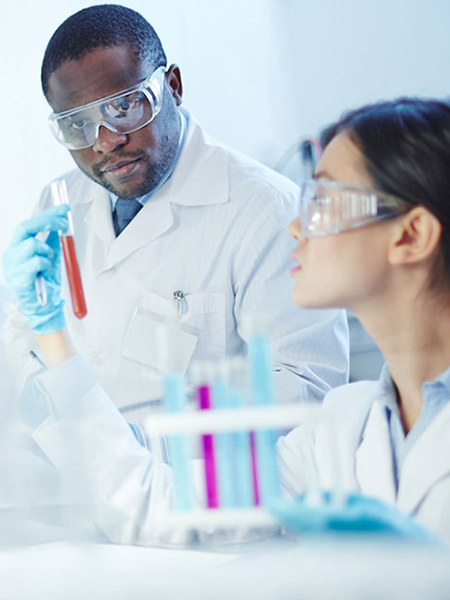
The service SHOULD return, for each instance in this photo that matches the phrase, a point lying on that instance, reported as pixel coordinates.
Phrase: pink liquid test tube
(60, 196)
(212, 496)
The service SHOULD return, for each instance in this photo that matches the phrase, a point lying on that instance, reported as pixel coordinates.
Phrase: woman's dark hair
(101, 26)
(406, 147)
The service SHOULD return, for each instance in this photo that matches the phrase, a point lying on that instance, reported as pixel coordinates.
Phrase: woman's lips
(298, 266)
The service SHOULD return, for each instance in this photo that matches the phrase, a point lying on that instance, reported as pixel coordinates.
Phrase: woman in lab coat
(373, 237)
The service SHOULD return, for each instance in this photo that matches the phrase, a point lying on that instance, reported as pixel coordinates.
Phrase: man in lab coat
(181, 241)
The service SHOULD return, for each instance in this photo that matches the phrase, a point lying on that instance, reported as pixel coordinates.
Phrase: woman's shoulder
(356, 395)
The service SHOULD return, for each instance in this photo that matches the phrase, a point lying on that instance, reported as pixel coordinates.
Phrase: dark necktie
(124, 211)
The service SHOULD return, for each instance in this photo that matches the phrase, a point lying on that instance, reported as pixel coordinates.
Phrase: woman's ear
(416, 237)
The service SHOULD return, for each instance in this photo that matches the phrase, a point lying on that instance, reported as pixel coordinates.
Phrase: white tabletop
(315, 570)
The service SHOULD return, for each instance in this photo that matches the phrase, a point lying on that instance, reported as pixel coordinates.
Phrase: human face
(129, 165)
(345, 269)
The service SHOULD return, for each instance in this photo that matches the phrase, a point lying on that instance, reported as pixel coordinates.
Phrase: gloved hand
(359, 514)
(27, 257)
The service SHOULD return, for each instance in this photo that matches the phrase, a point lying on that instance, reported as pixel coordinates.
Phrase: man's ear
(416, 237)
(173, 79)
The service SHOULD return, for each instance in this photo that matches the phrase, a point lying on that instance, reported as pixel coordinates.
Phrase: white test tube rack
(216, 421)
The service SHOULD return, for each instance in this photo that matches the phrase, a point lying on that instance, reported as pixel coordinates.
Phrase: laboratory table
(315, 569)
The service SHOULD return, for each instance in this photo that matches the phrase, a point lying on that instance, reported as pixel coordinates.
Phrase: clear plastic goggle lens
(124, 112)
(327, 207)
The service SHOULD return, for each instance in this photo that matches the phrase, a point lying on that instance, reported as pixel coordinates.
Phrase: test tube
(260, 363)
(175, 401)
(59, 195)
(39, 283)
(41, 290)
(224, 441)
(202, 374)
(244, 457)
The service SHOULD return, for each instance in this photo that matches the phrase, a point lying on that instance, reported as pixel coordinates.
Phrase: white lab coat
(216, 231)
(350, 443)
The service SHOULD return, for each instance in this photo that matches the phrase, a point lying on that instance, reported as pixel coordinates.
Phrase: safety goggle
(328, 207)
(124, 112)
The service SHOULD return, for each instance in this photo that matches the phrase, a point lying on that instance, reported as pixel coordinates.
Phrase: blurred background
(259, 75)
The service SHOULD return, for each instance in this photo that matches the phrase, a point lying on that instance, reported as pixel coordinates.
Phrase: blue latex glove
(27, 257)
(360, 514)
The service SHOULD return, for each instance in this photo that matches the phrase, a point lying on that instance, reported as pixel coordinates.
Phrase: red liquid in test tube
(59, 193)
(74, 277)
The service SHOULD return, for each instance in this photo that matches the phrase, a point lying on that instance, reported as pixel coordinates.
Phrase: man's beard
(153, 174)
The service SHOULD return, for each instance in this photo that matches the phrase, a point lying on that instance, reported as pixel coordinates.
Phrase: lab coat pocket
(206, 314)
(163, 339)
(157, 342)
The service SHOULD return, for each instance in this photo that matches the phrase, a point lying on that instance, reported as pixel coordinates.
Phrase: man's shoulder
(245, 172)
(261, 180)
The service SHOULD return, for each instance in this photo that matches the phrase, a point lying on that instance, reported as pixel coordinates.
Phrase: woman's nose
(295, 230)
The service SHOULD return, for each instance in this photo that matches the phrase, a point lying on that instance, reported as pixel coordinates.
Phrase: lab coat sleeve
(296, 463)
(96, 453)
(310, 347)
(18, 337)
(19, 341)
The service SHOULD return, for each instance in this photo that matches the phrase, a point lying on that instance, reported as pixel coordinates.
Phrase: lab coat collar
(201, 174)
(98, 215)
(374, 464)
(154, 219)
(426, 463)
(374, 461)
(151, 222)
(338, 444)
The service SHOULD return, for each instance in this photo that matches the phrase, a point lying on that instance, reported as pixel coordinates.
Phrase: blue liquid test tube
(224, 448)
(241, 458)
(261, 378)
(175, 401)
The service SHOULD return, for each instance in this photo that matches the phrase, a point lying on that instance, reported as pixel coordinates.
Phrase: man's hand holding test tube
(29, 259)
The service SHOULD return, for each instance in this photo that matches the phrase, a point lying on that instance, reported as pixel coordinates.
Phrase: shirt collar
(437, 390)
(388, 392)
(441, 380)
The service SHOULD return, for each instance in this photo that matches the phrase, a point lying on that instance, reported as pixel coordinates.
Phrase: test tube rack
(234, 434)
(229, 422)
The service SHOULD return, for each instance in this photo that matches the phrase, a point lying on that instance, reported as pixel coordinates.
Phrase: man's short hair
(101, 26)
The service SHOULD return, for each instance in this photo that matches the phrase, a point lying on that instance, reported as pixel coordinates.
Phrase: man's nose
(108, 140)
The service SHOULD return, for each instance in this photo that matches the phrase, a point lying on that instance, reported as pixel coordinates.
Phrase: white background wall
(259, 74)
